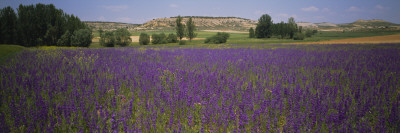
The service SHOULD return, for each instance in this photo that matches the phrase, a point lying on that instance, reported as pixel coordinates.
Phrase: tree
(144, 39)
(251, 33)
(158, 38)
(81, 38)
(122, 37)
(65, 39)
(42, 24)
(299, 36)
(190, 26)
(8, 24)
(264, 25)
(172, 38)
(107, 39)
(180, 28)
(292, 27)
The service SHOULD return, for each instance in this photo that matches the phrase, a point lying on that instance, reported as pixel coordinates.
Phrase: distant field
(242, 38)
(361, 40)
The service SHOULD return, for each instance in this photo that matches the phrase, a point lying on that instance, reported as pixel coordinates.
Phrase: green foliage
(8, 25)
(38, 24)
(159, 38)
(264, 27)
(292, 27)
(65, 39)
(144, 39)
(180, 28)
(107, 39)
(252, 33)
(81, 38)
(190, 29)
(299, 36)
(172, 38)
(182, 42)
(221, 37)
(122, 37)
(309, 33)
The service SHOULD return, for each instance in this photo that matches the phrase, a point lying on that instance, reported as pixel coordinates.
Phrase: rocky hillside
(107, 26)
(242, 24)
(202, 23)
(359, 25)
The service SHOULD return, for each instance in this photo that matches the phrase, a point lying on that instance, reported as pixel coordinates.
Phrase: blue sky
(140, 11)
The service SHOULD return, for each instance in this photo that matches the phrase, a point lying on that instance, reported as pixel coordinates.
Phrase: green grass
(243, 39)
(7, 51)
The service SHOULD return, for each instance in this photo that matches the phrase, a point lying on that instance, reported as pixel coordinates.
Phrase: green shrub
(122, 37)
(107, 39)
(172, 38)
(182, 42)
(144, 39)
(81, 38)
(159, 38)
(309, 33)
(221, 37)
(65, 39)
(299, 36)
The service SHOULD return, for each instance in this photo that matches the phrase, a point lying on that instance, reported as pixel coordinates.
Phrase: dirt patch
(228, 31)
(361, 40)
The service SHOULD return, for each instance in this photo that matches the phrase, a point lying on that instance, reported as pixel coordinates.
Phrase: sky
(141, 11)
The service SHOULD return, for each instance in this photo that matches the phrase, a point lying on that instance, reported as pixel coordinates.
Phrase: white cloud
(310, 9)
(380, 7)
(353, 9)
(173, 5)
(115, 8)
(325, 10)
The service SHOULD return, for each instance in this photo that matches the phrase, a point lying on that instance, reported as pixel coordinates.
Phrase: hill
(242, 24)
(95, 25)
(202, 23)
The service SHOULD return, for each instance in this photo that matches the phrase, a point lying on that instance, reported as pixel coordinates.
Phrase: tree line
(121, 37)
(266, 28)
(42, 25)
(182, 31)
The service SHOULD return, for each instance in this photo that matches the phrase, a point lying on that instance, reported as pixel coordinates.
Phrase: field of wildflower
(308, 88)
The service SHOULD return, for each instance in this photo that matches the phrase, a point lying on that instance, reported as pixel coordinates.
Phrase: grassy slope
(8, 50)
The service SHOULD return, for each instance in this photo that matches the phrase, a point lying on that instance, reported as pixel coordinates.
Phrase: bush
(221, 37)
(122, 37)
(107, 39)
(158, 38)
(182, 42)
(299, 36)
(144, 39)
(309, 33)
(81, 38)
(65, 39)
(172, 38)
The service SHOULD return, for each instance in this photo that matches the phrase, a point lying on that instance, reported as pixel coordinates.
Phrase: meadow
(230, 88)
(244, 40)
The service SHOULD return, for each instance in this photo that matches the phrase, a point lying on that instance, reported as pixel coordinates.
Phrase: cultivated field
(290, 88)
(361, 40)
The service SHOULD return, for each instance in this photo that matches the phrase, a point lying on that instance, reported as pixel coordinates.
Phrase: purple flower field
(330, 88)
